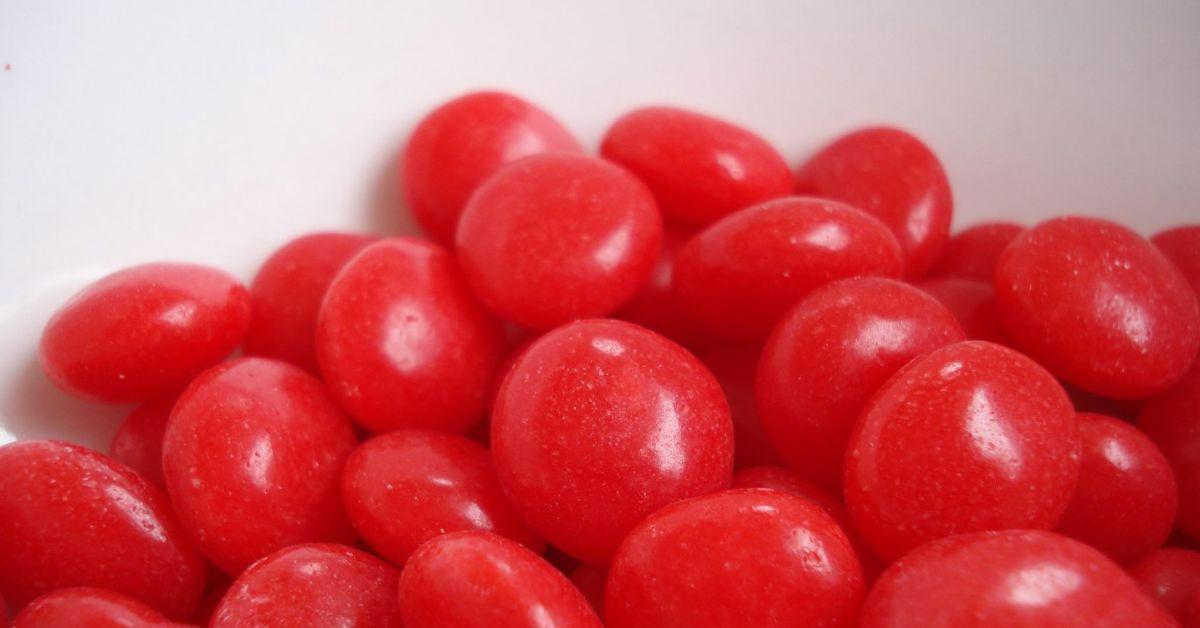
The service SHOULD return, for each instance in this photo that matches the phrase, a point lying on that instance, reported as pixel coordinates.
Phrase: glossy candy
(404, 488)
(973, 304)
(1099, 306)
(403, 344)
(144, 332)
(71, 517)
(741, 274)
(464, 141)
(252, 457)
(657, 305)
(1171, 576)
(973, 253)
(138, 442)
(599, 424)
(1009, 579)
(286, 295)
(744, 557)
(316, 584)
(481, 580)
(556, 237)
(734, 367)
(1172, 421)
(973, 436)
(894, 177)
(700, 168)
(87, 607)
(1182, 246)
(590, 580)
(1125, 500)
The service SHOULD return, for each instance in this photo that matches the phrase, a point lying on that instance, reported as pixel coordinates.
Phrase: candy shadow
(33, 408)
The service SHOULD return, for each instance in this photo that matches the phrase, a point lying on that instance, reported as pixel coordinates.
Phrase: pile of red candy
(675, 384)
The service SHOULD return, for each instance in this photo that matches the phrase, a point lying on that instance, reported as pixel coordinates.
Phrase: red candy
(734, 368)
(404, 488)
(829, 355)
(138, 442)
(1124, 503)
(973, 436)
(973, 253)
(740, 275)
(144, 332)
(461, 143)
(1182, 246)
(1172, 421)
(599, 424)
(1009, 579)
(788, 481)
(86, 607)
(286, 295)
(403, 344)
(1171, 576)
(71, 517)
(312, 585)
(657, 306)
(971, 302)
(557, 237)
(252, 457)
(1099, 306)
(893, 176)
(590, 580)
(699, 168)
(744, 557)
(481, 580)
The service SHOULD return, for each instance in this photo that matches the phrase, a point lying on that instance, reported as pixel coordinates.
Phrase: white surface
(213, 131)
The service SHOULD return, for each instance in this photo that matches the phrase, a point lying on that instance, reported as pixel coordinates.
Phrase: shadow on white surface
(35, 409)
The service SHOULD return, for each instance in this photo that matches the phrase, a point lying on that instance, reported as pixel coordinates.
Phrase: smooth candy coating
(973, 253)
(481, 580)
(404, 488)
(403, 344)
(252, 456)
(1191, 615)
(557, 237)
(601, 423)
(138, 442)
(973, 436)
(894, 177)
(743, 557)
(286, 295)
(657, 305)
(734, 367)
(144, 332)
(86, 607)
(1125, 500)
(316, 584)
(829, 355)
(1009, 579)
(741, 274)
(973, 303)
(1172, 421)
(72, 517)
(457, 146)
(700, 168)
(1099, 306)
(591, 580)
(1182, 246)
(1171, 576)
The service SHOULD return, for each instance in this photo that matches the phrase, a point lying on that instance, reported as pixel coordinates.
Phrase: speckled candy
(138, 442)
(86, 607)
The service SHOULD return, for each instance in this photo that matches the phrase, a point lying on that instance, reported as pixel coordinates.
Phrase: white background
(213, 131)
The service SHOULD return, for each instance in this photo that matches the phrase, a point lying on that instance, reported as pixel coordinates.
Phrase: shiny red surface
(591, 580)
(138, 442)
(743, 557)
(87, 607)
(286, 295)
(404, 488)
(657, 305)
(557, 237)
(403, 344)
(71, 517)
(601, 423)
(1171, 576)
(144, 332)
(972, 303)
(1009, 579)
(1172, 421)
(973, 436)
(700, 168)
(1099, 306)
(734, 367)
(894, 177)
(972, 253)
(252, 456)
(829, 355)
(481, 580)
(461, 143)
(742, 273)
(1181, 245)
(1191, 614)
(314, 584)
(1125, 500)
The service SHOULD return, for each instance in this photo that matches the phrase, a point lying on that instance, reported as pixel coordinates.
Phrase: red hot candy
(590, 580)
(1009, 579)
(312, 585)
(1172, 421)
(481, 580)
(556, 237)
(734, 368)
(252, 457)
(973, 436)
(744, 557)
(893, 176)
(461, 143)
(973, 253)
(86, 607)
(699, 168)
(1182, 246)
(740, 275)
(72, 517)
(971, 302)
(403, 344)
(1171, 576)
(144, 332)
(286, 295)
(138, 442)
(599, 424)
(1099, 306)
(657, 306)
(829, 355)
